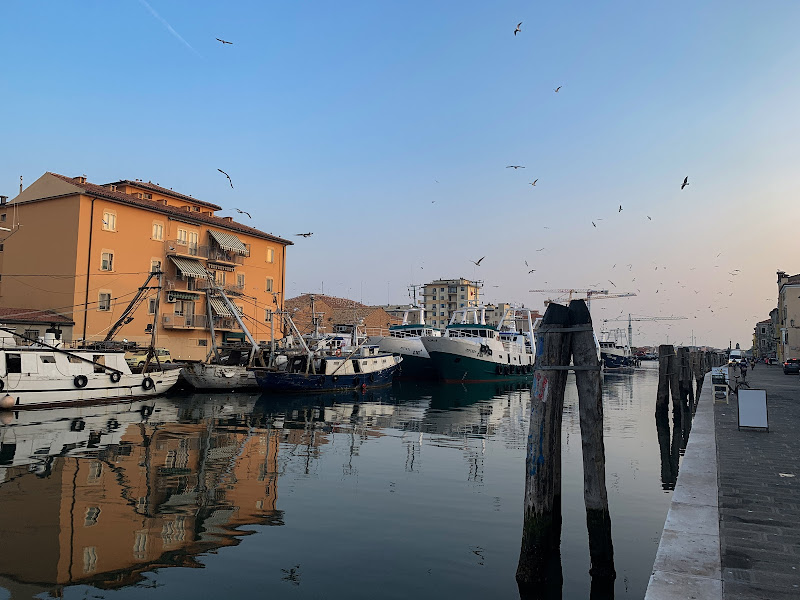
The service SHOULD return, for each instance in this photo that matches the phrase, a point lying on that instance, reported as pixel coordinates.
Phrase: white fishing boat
(45, 374)
(472, 351)
(615, 351)
(406, 341)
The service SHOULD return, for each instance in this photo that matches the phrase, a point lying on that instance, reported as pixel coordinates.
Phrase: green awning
(229, 242)
(219, 308)
(183, 295)
(190, 267)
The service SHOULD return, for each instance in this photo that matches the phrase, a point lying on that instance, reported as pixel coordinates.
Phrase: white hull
(203, 376)
(32, 391)
(409, 346)
(484, 349)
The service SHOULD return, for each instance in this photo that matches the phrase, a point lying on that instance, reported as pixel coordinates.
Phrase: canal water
(414, 491)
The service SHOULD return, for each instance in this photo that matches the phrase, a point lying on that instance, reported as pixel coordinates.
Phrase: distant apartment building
(764, 339)
(443, 297)
(788, 345)
(83, 250)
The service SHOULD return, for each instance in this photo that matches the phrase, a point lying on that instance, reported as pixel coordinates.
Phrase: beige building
(83, 250)
(444, 296)
(788, 329)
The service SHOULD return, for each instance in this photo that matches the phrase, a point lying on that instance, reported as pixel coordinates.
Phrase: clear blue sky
(339, 118)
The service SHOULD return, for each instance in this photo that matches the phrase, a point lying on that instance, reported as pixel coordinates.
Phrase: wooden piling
(665, 353)
(590, 402)
(542, 510)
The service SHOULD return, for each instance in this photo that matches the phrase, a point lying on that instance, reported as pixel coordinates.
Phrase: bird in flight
(556, 90)
(593, 225)
(540, 249)
(649, 218)
(305, 235)
(243, 212)
(518, 29)
(531, 271)
(526, 263)
(612, 283)
(534, 182)
(515, 167)
(226, 175)
(477, 263)
(620, 208)
(223, 41)
(685, 182)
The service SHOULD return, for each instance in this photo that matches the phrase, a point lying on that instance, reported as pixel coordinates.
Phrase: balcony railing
(184, 248)
(173, 321)
(233, 288)
(223, 256)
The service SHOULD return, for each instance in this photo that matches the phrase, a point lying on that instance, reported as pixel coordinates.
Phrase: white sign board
(719, 374)
(753, 408)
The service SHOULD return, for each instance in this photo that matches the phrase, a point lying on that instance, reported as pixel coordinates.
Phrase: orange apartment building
(83, 250)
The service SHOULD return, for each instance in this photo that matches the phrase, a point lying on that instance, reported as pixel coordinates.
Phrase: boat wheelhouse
(406, 340)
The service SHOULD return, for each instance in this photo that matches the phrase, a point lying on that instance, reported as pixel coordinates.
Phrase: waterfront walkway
(759, 493)
(733, 529)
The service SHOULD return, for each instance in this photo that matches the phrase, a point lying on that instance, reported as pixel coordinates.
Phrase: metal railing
(173, 321)
(184, 248)
(219, 255)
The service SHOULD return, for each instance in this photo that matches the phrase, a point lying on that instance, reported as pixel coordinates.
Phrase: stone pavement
(759, 509)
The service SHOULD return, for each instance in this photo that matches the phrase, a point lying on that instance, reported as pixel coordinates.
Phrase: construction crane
(590, 294)
(631, 319)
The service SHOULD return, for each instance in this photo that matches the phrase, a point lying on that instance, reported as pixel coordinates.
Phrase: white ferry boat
(44, 374)
(472, 351)
(406, 340)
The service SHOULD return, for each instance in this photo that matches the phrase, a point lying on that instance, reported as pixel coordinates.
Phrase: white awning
(219, 308)
(189, 267)
(229, 242)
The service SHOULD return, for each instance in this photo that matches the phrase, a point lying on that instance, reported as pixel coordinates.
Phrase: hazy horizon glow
(341, 118)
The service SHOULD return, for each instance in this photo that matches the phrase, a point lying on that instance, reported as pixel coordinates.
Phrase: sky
(385, 128)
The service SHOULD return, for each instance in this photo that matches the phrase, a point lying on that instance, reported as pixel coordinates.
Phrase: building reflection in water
(103, 496)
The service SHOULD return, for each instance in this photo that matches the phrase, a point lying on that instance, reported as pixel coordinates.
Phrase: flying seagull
(226, 175)
(593, 225)
(477, 263)
(556, 90)
(518, 29)
(540, 249)
(305, 235)
(620, 208)
(649, 218)
(243, 212)
(685, 182)
(531, 271)
(515, 167)
(223, 41)
(612, 283)
(534, 182)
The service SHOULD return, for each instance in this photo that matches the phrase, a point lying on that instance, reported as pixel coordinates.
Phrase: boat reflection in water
(102, 494)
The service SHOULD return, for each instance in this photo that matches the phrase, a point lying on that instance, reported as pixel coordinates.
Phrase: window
(763, 330)
(219, 277)
(441, 306)
(441, 289)
(148, 196)
(202, 342)
(109, 220)
(240, 281)
(193, 243)
(462, 289)
(3, 217)
(270, 252)
(48, 360)
(92, 513)
(1, 247)
(32, 334)
(462, 296)
(191, 284)
(269, 284)
(13, 363)
(151, 306)
(179, 307)
(441, 314)
(107, 261)
(183, 236)
(158, 231)
(104, 301)
(155, 265)
(89, 559)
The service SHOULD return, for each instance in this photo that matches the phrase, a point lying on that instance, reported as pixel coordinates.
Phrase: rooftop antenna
(20, 184)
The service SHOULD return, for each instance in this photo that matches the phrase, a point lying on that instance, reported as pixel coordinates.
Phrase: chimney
(3, 200)
(80, 179)
(230, 219)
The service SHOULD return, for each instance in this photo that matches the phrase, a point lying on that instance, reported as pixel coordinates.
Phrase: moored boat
(44, 374)
(406, 340)
(472, 351)
(615, 352)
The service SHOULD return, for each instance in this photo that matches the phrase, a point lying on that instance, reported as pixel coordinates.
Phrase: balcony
(228, 288)
(173, 321)
(183, 248)
(219, 255)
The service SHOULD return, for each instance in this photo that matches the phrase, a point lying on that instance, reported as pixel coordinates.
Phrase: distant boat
(406, 340)
(472, 351)
(45, 374)
(615, 351)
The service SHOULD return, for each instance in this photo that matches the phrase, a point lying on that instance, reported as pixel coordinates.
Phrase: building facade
(444, 296)
(788, 333)
(86, 249)
(764, 339)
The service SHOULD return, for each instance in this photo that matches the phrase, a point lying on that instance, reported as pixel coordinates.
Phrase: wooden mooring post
(665, 355)
(564, 333)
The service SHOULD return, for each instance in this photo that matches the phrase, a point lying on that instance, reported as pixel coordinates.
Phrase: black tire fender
(80, 381)
(77, 425)
(115, 376)
(147, 383)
